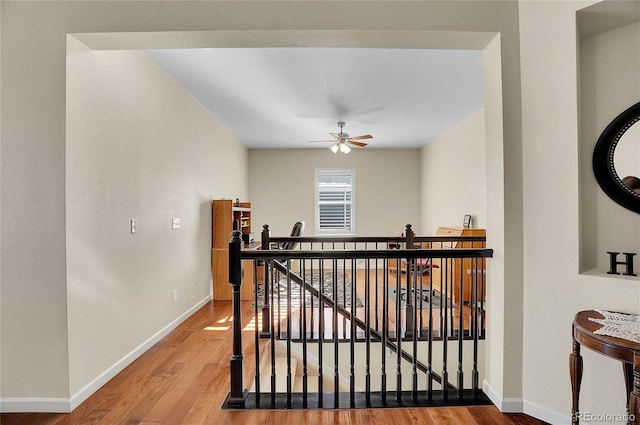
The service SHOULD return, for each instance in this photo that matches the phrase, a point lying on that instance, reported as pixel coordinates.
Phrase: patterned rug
(424, 297)
(341, 281)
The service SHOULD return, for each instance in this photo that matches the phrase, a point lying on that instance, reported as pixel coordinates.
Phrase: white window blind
(334, 201)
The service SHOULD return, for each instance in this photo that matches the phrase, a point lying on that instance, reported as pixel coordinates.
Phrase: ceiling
(284, 97)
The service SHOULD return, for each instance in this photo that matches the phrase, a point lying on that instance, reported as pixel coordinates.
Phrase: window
(335, 202)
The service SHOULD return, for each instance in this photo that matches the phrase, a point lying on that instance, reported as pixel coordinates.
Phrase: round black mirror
(616, 159)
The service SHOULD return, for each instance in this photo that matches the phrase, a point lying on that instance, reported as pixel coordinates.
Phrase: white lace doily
(626, 326)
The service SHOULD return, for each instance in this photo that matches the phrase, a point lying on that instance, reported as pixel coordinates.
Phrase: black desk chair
(297, 230)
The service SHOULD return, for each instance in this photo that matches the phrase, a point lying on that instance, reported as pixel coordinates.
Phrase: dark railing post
(266, 306)
(411, 270)
(266, 234)
(238, 395)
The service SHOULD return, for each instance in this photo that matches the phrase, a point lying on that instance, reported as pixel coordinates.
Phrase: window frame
(334, 231)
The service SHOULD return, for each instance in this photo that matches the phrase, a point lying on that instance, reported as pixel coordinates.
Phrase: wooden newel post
(408, 236)
(266, 309)
(238, 395)
(411, 273)
(266, 234)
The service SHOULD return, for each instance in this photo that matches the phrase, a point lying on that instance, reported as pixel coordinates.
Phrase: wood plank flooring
(185, 378)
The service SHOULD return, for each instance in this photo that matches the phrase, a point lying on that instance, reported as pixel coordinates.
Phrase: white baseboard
(546, 414)
(517, 405)
(66, 405)
(28, 404)
(505, 405)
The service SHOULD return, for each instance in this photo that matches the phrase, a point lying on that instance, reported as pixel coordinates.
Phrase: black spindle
(305, 378)
(289, 377)
(256, 336)
(320, 335)
(266, 309)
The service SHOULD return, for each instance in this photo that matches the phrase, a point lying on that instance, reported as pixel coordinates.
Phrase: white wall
(1, 3)
(454, 178)
(138, 147)
(282, 188)
(33, 304)
(553, 289)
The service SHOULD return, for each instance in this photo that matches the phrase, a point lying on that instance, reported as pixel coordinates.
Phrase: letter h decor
(613, 263)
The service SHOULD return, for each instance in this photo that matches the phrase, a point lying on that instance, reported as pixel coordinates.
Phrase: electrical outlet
(134, 225)
(175, 223)
(175, 296)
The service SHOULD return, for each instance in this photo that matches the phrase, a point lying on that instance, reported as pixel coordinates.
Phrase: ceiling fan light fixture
(344, 148)
(341, 141)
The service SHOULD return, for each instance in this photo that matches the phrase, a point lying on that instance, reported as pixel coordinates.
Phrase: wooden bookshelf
(457, 268)
(227, 216)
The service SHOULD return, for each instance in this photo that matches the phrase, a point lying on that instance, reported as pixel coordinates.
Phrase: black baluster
(320, 335)
(398, 328)
(288, 330)
(385, 331)
(367, 320)
(256, 311)
(266, 312)
(474, 331)
(304, 339)
(411, 268)
(460, 328)
(272, 336)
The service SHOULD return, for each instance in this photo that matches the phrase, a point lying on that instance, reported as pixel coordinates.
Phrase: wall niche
(609, 83)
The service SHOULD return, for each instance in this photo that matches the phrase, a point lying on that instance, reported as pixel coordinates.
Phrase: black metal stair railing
(376, 305)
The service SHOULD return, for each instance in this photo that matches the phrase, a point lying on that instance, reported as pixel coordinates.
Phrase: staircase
(297, 371)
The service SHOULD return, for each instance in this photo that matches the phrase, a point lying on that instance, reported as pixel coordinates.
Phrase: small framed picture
(467, 221)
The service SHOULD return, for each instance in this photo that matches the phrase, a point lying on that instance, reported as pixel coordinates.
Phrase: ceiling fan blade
(336, 135)
(321, 141)
(364, 136)
(361, 144)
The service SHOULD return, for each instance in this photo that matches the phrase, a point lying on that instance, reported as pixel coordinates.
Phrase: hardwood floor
(185, 378)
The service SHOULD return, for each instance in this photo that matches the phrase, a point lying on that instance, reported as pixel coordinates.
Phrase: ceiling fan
(342, 140)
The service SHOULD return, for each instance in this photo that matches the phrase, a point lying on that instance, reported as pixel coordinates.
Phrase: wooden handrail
(367, 253)
(373, 239)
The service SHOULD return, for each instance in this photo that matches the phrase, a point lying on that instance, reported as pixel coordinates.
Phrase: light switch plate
(175, 223)
(134, 225)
